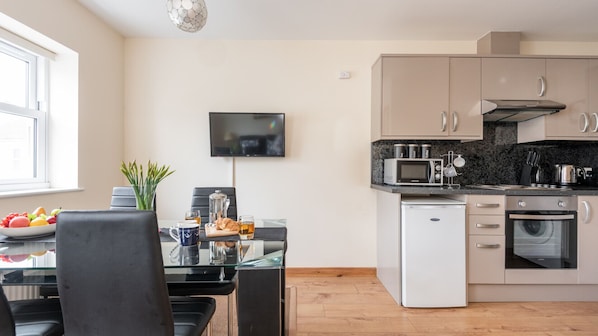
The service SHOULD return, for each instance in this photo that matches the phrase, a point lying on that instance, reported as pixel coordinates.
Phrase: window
(23, 119)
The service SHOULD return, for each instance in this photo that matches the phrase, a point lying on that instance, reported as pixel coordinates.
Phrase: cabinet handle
(487, 226)
(585, 126)
(542, 85)
(455, 121)
(479, 245)
(487, 205)
(595, 117)
(443, 124)
(586, 218)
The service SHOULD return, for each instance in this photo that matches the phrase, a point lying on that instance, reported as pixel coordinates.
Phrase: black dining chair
(200, 200)
(34, 317)
(111, 278)
(123, 198)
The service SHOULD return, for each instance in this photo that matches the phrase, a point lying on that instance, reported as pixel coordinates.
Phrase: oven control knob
(437, 177)
(562, 204)
(437, 167)
(521, 204)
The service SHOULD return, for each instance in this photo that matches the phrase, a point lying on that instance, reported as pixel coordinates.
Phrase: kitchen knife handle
(542, 85)
(478, 245)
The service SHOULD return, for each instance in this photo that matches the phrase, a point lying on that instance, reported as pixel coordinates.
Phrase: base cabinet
(587, 236)
(388, 242)
(486, 259)
(486, 239)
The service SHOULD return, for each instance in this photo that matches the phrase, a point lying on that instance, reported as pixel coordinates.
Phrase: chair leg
(231, 313)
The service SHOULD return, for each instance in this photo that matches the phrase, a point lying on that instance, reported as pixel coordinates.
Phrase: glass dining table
(256, 266)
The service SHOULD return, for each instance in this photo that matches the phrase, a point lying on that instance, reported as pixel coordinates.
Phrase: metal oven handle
(541, 217)
(479, 245)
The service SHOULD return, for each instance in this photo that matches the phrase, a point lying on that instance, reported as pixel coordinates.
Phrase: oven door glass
(541, 240)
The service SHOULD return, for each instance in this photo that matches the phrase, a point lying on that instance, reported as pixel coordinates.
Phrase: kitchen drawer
(486, 224)
(486, 204)
(486, 262)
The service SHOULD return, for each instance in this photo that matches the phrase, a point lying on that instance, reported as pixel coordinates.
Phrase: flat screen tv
(247, 134)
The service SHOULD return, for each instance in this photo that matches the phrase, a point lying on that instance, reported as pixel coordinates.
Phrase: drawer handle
(487, 205)
(487, 226)
(478, 245)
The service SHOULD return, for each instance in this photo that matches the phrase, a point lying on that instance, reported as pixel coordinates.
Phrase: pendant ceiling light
(187, 15)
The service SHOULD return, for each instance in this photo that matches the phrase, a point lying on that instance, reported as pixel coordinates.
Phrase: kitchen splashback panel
(497, 159)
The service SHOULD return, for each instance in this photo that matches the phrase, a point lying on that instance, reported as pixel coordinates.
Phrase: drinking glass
(193, 215)
(246, 227)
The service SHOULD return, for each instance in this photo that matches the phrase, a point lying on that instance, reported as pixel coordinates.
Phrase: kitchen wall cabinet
(465, 111)
(587, 233)
(486, 239)
(569, 81)
(426, 97)
(593, 92)
(513, 78)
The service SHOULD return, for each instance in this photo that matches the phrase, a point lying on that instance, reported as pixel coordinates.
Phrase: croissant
(227, 224)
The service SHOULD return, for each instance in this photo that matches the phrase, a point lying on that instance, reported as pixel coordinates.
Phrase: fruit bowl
(28, 232)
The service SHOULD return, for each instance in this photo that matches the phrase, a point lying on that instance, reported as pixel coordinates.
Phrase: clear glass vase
(145, 196)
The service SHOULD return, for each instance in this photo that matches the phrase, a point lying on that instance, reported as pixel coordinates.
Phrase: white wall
(321, 186)
(100, 101)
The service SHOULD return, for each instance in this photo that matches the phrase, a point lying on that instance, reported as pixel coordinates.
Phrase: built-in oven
(541, 232)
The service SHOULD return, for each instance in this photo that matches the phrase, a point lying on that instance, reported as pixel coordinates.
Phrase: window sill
(36, 192)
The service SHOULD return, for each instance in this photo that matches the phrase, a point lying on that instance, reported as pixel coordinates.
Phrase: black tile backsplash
(497, 159)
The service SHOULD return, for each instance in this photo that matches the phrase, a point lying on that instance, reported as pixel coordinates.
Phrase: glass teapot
(218, 206)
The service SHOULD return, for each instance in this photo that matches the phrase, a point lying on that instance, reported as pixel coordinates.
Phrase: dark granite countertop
(464, 190)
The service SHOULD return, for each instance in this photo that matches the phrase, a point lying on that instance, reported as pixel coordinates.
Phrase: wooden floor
(359, 305)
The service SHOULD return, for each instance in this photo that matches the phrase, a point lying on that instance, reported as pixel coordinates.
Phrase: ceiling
(466, 20)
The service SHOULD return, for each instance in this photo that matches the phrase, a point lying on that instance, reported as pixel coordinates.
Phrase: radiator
(21, 292)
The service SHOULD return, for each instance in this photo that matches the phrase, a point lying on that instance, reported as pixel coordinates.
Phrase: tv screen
(247, 134)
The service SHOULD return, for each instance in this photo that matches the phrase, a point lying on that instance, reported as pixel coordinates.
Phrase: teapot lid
(218, 195)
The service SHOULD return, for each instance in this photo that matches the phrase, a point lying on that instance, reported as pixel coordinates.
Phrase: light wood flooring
(329, 304)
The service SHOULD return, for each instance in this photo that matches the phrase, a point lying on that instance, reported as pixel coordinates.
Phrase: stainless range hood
(501, 110)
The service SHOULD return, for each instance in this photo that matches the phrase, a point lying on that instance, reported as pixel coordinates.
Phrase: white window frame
(36, 109)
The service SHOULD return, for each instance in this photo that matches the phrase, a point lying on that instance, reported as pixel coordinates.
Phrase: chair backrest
(110, 274)
(200, 200)
(7, 322)
(123, 198)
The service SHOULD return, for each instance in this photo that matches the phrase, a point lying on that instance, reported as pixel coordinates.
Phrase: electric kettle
(567, 174)
(218, 206)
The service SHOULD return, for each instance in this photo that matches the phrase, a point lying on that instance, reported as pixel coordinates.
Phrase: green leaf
(144, 183)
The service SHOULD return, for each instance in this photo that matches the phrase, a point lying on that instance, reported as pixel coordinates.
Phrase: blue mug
(186, 234)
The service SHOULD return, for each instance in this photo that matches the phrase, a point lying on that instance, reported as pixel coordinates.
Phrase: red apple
(51, 219)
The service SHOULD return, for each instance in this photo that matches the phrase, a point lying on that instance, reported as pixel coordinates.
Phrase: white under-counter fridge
(433, 252)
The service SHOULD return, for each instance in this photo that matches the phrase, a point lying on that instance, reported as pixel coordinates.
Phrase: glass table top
(218, 258)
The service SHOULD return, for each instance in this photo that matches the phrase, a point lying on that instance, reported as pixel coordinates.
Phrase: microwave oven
(405, 171)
